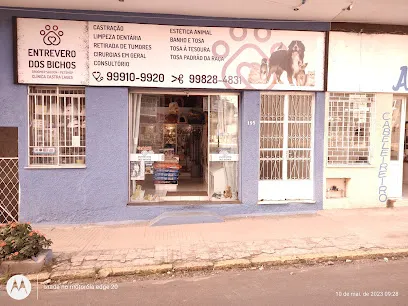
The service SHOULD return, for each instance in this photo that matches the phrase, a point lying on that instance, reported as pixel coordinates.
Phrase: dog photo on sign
(286, 64)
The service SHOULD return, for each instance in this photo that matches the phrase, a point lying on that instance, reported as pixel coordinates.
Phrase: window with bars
(286, 136)
(350, 125)
(56, 126)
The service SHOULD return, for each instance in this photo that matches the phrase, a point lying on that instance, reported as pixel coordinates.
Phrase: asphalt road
(316, 285)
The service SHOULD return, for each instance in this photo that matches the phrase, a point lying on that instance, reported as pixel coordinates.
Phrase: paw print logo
(52, 37)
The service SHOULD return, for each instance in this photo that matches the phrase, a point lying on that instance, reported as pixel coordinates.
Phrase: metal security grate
(57, 125)
(286, 136)
(350, 124)
(272, 136)
(9, 190)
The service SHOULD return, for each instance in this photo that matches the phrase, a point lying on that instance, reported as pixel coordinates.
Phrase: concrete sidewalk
(86, 250)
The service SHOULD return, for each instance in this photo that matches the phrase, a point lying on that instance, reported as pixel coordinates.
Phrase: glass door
(183, 148)
(223, 151)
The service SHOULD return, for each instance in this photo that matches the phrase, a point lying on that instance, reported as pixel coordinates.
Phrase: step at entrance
(175, 218)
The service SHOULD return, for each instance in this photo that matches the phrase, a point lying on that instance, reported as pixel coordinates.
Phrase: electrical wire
(343, 10)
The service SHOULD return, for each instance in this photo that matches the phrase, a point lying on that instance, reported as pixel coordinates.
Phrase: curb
(263, 259)
(193, 266)
(139, 270)
(326, 257)
(232, 263)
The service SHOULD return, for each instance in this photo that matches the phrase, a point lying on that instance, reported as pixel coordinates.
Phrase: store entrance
(183, 147)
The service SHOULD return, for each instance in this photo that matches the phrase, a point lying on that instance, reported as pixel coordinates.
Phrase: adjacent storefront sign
(385, 151)
(123, 54)
(367, 63)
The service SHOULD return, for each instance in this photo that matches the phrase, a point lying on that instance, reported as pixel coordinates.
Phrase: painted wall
(99, 192)
(363, 188)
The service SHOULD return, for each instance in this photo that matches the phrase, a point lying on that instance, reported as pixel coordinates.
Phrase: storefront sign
(52, 51)
(367, 63)
(124, 54)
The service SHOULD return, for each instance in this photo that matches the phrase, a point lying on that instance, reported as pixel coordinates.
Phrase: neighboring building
(126, 121)
(366, 160)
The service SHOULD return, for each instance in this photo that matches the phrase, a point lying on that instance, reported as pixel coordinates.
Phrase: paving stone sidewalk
(245, 240)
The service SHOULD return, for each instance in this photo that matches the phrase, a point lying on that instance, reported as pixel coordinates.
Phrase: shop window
(350, 128)
(183, 148)
(56, 126)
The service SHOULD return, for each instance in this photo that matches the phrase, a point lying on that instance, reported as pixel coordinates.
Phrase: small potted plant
(22, 250)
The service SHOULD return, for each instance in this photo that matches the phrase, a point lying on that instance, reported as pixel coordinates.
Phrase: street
(355, 283)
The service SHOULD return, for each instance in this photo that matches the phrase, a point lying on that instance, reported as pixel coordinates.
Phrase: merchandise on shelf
(166, 172)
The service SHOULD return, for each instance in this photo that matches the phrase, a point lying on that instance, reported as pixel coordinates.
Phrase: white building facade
(365, 120)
